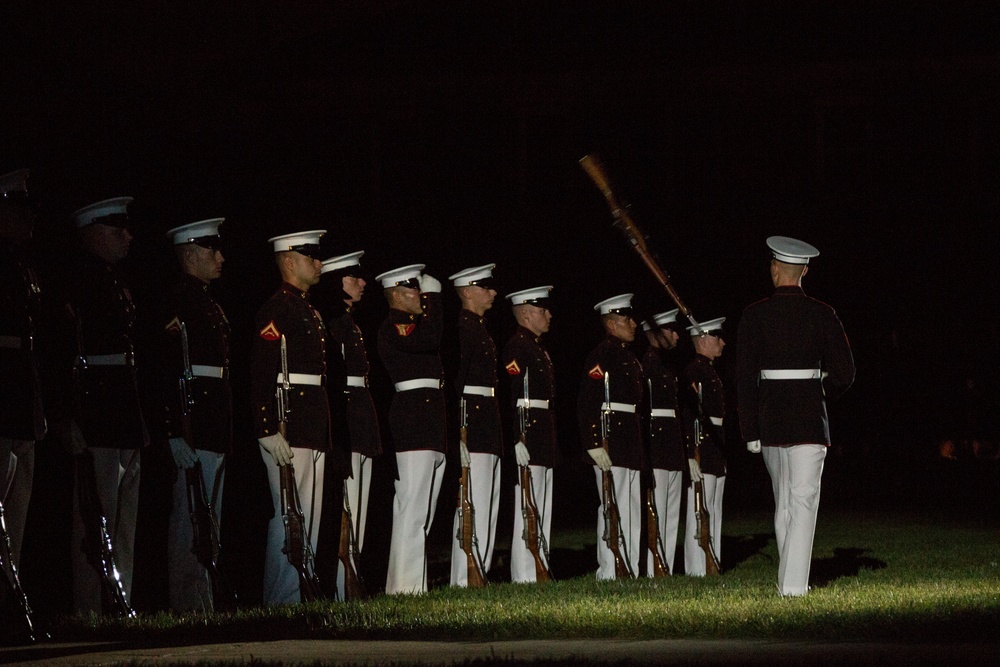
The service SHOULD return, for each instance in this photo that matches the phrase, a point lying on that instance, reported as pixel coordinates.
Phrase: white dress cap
(15, 181)
(472, 276)
(107, 207)
(616, 304)
(196, 230)
(287, 242)
(791, 251)
(663, 319)
(536, 296)
(404, 276)
(646, 326)
(711, 327)
(342, 262)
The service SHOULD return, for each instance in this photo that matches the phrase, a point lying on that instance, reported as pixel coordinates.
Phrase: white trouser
(694, 557)
(484, 480)
(628, 497)
(522, 563)
(667, 499)
(117, 474)
(17, 470)
(420, 475)
(281, 580)
(795, 472)
(356, 489)
(190, 585)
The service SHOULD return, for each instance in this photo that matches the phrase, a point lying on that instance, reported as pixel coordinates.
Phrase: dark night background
(449, 133)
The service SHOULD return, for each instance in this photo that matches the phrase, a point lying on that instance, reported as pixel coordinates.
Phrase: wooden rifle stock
(297, 546)
(354, 586)
(636, 238)
(654, 542)
(467, 533)
(612, 525)
(205, 543)
(97, 540)
(531, 533)
(8, 570)
(701, 514)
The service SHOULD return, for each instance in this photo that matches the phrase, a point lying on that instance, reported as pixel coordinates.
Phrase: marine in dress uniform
(348, 379)
(526, 360)
(708, 346)
(22, 420)
(477, 381)
(289, 314)
(107, 418)
(664, 433)
(191, 307)
(792, 356)
(624, 457)
(409, 343)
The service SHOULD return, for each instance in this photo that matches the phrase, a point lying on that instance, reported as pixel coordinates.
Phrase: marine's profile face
(406, 299)
(480, 298)
(111, 242)
(305, 269)
(536, 319)
(621, 327)
(668, 338)
(206, 263)
(711, 346)
(354, 287)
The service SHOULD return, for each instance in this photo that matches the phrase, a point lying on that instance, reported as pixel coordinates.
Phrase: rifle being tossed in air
(297, 547)
(533, 536)
(467, 515)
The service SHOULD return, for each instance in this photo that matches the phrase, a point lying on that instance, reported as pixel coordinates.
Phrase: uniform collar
(527, 333)
(788, 289)
(293, 290)
(193, 281)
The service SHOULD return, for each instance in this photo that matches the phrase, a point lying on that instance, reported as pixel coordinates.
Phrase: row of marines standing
(409, 345)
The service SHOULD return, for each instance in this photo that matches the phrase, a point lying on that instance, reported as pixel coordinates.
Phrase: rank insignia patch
(270, 332)
(174, 325)
(405, 329)
(596, 372)
(513, 368)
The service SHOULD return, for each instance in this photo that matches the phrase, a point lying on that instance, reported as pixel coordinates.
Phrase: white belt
(540, 403)
(357, 381)
(302, 378)
(120, 359)
(12, 342)
(618, 407)
(716, 420)
(791, 374)
(202, 371)
(419, 383)
(477, 390)
(662, 412)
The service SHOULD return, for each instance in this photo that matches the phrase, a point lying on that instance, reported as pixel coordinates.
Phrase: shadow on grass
(845, 562)
(738, 548)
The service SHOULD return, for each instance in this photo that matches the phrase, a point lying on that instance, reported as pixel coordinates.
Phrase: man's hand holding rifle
(533, 537)
(467, 512)
(613, 536)
(701, 514)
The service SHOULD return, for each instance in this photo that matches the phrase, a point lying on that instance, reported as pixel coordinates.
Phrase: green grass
(877, 576)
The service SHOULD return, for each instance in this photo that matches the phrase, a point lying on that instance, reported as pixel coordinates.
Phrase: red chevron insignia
(513, 368)
(174, 325)
(270, 332)
(596, 372)
(405, 329)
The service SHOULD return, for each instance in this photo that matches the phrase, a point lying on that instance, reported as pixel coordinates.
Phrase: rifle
(533, 537)
(467, 516)
(354, 586)
(13, 581)
(297, 546)
(654, 541)
(623, 221)
(701, 514)
(205, 543)
(613, 536)
(97, 539)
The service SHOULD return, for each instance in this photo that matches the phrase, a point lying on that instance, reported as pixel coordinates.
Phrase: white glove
(601, 458)
(753, 446)
(696, 475)
(429, 283)
(521, 454)
(463, 451)
(278, 448)
(183, 454)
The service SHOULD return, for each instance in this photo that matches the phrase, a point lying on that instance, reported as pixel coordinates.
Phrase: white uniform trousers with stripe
(667, 499)
(627, 495)
(17, 470)
(420, 475)
(117, 473)
(522, 563)
(190, 585)
(281, 580)
(795, 472)
(356, 489)
(694, 557)
(484, 476)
